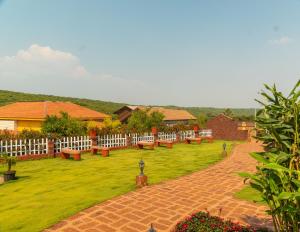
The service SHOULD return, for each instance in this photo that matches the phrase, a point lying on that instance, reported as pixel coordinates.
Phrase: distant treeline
(7, 97)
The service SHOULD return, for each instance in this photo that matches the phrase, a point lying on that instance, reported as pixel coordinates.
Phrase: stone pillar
(94, 140)
(128, 140)
(177, 137)
(155, 134)
(196, 130)
(51, 148)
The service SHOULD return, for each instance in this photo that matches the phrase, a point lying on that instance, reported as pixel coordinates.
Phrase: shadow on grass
(18, 178)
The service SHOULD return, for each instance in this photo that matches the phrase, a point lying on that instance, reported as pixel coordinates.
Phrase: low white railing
(205, 133)
(74, 143)
(117, 140)
(21, 147)
(186, 134)
(135, 138)
(167, 136)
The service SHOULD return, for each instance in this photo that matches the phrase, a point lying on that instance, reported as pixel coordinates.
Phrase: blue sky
(189, 53)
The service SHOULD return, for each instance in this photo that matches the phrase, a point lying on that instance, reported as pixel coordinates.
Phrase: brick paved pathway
(166, 203)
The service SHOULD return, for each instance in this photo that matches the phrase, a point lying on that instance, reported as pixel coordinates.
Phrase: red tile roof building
(29, 115)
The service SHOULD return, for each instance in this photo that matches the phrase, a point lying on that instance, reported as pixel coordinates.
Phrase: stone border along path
(166, 203)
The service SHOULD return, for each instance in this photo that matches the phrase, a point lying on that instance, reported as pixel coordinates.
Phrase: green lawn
(50, 190)
(249, 194)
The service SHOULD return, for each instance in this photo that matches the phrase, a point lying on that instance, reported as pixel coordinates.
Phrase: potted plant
(9, 161)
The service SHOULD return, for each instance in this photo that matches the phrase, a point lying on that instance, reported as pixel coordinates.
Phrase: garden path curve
(166, 203)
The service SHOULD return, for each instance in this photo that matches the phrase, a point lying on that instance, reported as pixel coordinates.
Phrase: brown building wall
(226, 128)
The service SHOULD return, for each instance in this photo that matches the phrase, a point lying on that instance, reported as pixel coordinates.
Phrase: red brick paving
(166, 203)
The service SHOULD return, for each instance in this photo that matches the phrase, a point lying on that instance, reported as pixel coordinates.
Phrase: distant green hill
(7, 97)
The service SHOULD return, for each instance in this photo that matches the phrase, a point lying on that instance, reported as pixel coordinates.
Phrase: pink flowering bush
(204, 222)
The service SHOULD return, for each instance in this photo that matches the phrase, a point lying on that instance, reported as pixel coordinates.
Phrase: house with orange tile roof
(30, 115)
(171, 116)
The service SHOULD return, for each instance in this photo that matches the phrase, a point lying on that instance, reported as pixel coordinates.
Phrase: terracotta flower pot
(105, 152)
(77, 156)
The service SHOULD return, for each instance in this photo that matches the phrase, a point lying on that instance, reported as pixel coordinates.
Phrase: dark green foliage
(63, 126)
(278, 173)
(279, 120)
(228, 113)
(30, 134)
(155, 119)
(204, 222)
(202, 119)
(25, 134)
(142, 121)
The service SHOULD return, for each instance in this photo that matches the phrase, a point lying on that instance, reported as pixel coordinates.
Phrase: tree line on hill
(7, 97)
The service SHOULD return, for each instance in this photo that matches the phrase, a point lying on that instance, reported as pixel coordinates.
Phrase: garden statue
(142, 166)
(141, 179)
(224, 152)
(151, 228)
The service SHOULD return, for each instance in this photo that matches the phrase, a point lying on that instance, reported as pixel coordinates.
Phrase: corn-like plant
(278, 175)
(279, 122)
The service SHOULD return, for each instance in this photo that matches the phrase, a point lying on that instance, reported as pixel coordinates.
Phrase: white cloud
(40, 69)
(41, 61)
(284, 40)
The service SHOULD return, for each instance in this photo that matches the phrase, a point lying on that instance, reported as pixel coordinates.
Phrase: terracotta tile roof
(39, 110)
(173, 114)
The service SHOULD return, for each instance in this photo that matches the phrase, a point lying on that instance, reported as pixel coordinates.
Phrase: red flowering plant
(204, 222)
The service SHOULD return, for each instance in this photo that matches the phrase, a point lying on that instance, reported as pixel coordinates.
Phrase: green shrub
(62, 126)
(141, 121)
(278, 173)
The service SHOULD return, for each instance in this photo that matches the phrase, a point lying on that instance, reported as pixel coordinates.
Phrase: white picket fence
(117, 140)
(205, 133)
(135, 138)
(40, 146)
(75, 143)
(186, 134)
(21, 147)
(167, 136)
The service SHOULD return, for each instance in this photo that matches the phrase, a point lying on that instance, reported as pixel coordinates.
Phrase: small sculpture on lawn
(142, 166)
(151, 228)
(141, 180)
(224, 153)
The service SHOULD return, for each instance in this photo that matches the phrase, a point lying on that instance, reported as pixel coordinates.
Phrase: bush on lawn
(63, 126)
(204, 222)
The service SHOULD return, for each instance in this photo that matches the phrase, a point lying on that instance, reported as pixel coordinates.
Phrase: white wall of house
(8, 125)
